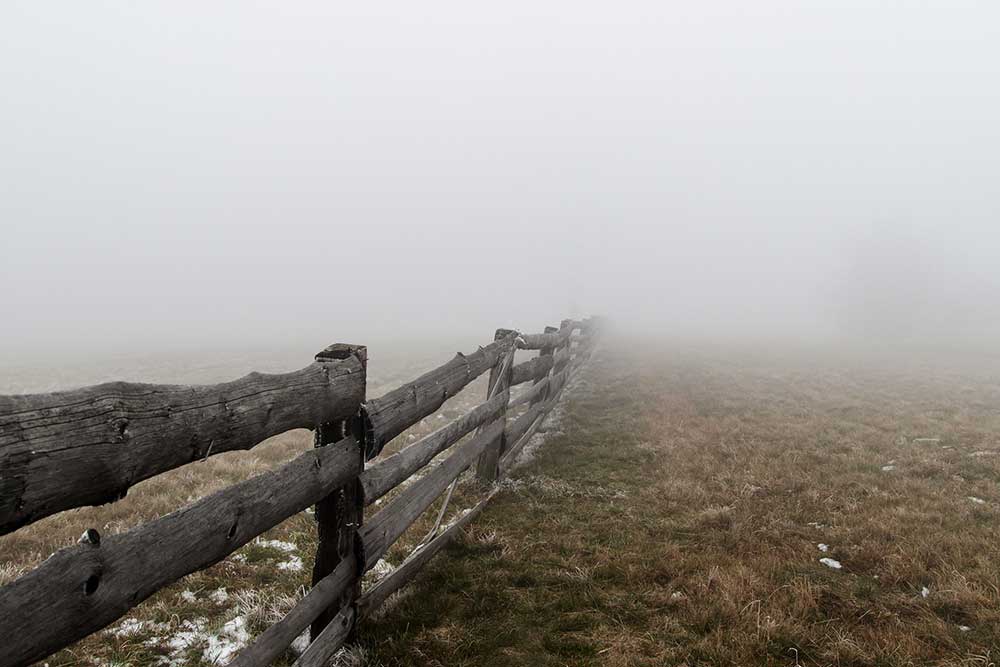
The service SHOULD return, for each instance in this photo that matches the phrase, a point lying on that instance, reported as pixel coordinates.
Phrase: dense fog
(190, 175)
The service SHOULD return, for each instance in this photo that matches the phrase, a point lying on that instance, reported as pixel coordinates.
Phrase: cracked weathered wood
(340, 513)
(385, 474)
(500, 375)
(528, 424)
(510, 456)
(83, 588)
(88, 446)
(517, 428)
(556, 384)
(544, 340)
(384, 528)
(532, 395)
(274, 641)
(329, 641)
(409, 568)
(560, 359)
(393, 413)
(544, 352)
(532, 369)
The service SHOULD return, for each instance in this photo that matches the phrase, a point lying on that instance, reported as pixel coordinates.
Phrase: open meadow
(688, 504)
(734, 506)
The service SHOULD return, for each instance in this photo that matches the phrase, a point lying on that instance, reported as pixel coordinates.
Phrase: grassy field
(677, 514)
(681, 516)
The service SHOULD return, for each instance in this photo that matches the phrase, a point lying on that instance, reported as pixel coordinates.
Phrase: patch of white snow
(301, 643)
(382, 568)
(192, 634)
(287, 547)
(224, 646)
(293, 564)
(128, 626)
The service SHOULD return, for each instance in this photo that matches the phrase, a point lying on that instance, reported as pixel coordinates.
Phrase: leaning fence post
(339, 515)
(488, 465)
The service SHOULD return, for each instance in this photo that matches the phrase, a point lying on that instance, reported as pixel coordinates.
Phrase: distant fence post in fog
(88, 446)
(487, 467)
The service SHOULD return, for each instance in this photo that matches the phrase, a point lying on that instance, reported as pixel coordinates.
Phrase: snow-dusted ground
(831, 563)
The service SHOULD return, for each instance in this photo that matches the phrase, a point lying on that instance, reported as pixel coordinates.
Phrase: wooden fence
(84, 447)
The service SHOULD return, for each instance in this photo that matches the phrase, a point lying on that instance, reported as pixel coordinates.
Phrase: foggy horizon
(764, 432)
(269, 175)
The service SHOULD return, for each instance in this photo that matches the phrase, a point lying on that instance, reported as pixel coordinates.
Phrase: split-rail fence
(71, 449)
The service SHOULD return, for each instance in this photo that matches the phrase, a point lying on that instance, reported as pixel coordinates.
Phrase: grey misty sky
(207, 172)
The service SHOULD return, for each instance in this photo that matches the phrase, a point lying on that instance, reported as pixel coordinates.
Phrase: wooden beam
(540, 341)
(274, 641)
(88, 446)
(391, 414)
(500, 375)
(556, 384)
(409, 568)
(560, 359)
(384, 528)
(519, 426)
(532, 395)
(510, 456)
(83, 588)
(547, 353)
(532, 369)
(385, 474)
(340, 513)
(329, 641)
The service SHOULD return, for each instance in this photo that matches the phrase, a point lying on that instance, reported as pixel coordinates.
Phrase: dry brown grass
(677, 521)
(673, 518)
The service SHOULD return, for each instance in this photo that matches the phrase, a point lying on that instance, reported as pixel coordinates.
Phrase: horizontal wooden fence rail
(408, 569)
(533, 369)
(89, 446)
(390, 415)
(384, 475)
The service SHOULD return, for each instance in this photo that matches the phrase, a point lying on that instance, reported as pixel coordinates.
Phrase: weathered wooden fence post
(544, 352)
(488, 465)
(586, 340)
(566, 328)
(561, 356)
(339, 515)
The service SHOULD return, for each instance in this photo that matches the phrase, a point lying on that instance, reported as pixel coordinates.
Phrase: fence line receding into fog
(88, 446)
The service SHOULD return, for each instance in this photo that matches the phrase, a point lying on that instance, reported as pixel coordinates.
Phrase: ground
(690, 507)
(683, 514)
